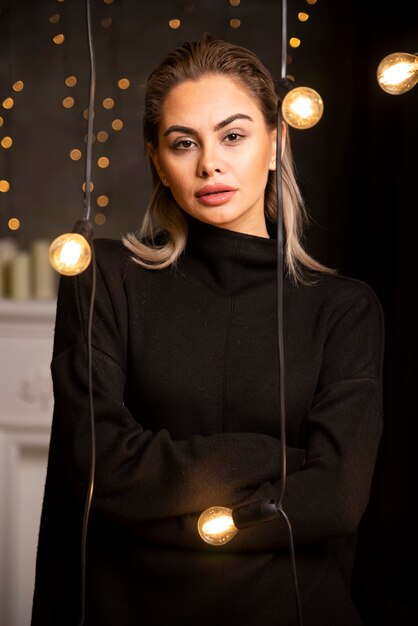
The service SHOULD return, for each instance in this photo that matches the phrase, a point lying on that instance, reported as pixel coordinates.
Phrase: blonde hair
(163, 233)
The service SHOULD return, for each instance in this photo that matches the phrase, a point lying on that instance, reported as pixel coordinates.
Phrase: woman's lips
(215, 199)
(214, 195)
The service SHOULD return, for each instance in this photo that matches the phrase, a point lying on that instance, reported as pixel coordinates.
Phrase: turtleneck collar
(228, 259)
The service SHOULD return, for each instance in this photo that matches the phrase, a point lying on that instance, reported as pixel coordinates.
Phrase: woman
(186, 382)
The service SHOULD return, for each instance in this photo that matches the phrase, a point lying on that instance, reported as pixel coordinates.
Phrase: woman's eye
(233, 137)
(184, 144)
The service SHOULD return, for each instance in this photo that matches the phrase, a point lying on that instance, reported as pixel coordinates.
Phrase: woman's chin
(231, 219)
(220, 216)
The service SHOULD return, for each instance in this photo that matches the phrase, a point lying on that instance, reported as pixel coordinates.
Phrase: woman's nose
(209, 163)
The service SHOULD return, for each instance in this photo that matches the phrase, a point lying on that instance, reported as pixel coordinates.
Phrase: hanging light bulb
(70, 254)
(217, 525)
(397, 73)
(302, 107)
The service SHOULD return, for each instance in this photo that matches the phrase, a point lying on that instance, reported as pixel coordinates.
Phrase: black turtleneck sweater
(186, 400)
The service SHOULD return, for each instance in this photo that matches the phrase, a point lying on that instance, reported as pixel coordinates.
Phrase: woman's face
(215, 152)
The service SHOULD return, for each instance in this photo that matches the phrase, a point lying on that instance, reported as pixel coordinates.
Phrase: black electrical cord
(280, 333)
(87, 211)
(280, 260)
(280, 345)
(280, 271)
(263, 511)
(87, 205)
(90, 487)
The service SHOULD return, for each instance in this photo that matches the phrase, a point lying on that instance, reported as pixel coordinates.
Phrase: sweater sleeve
(140, 475)
(327, 495)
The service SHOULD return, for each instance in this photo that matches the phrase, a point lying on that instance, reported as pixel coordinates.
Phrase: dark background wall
(357, 169)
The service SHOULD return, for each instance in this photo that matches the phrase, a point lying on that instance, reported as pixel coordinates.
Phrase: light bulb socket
(283, 86)
(255, 513)
(85, 228)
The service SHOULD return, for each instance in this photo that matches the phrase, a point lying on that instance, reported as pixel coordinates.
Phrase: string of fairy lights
(6, 141)
(68, 102)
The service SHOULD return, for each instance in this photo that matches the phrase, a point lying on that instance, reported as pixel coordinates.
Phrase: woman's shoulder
(112, 257)
(109, 250)
(337, 291)
(118, 272)
(340, 284)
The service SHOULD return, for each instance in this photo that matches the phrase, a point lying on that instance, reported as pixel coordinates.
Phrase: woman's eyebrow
(191, 131)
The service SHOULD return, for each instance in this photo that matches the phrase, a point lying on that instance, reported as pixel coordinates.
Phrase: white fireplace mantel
(26, 336)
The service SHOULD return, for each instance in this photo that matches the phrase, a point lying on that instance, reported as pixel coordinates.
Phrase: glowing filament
(216, 525)
(70, 254)
(302, 107)
(398, 73)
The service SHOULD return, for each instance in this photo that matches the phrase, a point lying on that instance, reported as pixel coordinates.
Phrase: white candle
(44, 277)
(2, 280)
(20, 276)
(8, 249)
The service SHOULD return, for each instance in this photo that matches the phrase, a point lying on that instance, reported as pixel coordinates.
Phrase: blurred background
(357, 169)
